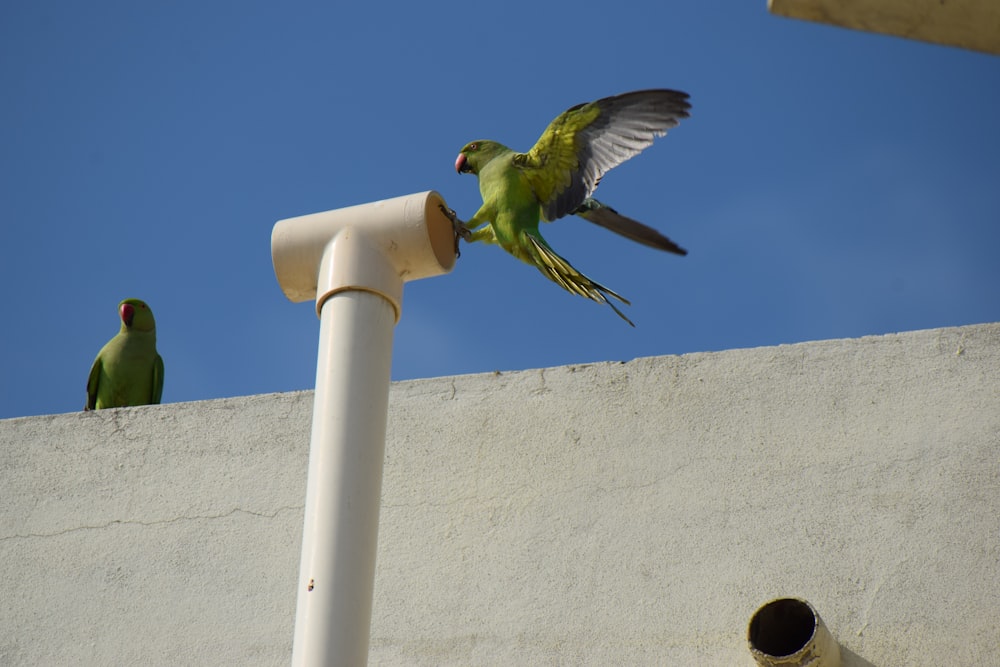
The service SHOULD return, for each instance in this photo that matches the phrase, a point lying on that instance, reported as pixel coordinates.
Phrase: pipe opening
(782, 627)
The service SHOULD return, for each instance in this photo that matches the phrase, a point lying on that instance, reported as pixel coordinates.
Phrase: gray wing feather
(627, 124)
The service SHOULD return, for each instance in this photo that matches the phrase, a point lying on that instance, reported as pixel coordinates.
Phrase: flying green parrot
(557, 177)
(127, 370)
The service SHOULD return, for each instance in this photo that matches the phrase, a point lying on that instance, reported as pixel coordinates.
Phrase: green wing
(157, 389)
(567, 162)
(92, 381)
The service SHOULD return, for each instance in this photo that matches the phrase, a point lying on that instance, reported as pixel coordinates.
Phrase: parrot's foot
(461, 231)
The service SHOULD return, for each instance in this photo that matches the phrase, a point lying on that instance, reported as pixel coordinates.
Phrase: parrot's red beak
(461, 164)
(127, 312)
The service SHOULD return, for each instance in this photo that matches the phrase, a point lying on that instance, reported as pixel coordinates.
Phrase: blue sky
(829, 183)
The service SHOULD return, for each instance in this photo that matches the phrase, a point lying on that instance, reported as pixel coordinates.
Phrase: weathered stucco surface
(613, 513)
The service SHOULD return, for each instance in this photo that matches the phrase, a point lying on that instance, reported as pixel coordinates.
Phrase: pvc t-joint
(374, 247)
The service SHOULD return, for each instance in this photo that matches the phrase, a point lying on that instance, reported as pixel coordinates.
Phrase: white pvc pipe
(339, 538)
(354, 261)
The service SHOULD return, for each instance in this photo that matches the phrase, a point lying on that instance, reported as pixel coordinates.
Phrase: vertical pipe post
(340, 535)
(354, 262)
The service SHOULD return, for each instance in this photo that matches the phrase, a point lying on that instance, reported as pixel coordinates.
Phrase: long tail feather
(607, 217)
(561, 272)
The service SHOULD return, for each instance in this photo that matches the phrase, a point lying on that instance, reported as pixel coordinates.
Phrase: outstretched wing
(584, 142)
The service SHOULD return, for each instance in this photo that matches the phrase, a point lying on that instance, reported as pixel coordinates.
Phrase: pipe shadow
(849, 658)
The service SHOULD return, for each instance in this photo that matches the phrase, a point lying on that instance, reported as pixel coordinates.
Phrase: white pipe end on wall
(788, 632)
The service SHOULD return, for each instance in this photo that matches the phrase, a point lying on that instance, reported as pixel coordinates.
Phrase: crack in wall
(158, 522)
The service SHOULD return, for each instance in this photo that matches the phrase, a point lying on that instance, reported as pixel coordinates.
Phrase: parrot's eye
(473, 147)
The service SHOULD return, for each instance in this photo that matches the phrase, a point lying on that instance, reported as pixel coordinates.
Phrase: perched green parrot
(127, 370)
(559, 174)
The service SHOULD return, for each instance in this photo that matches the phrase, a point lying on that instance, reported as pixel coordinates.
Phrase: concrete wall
(969, 24)
(633, 513)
